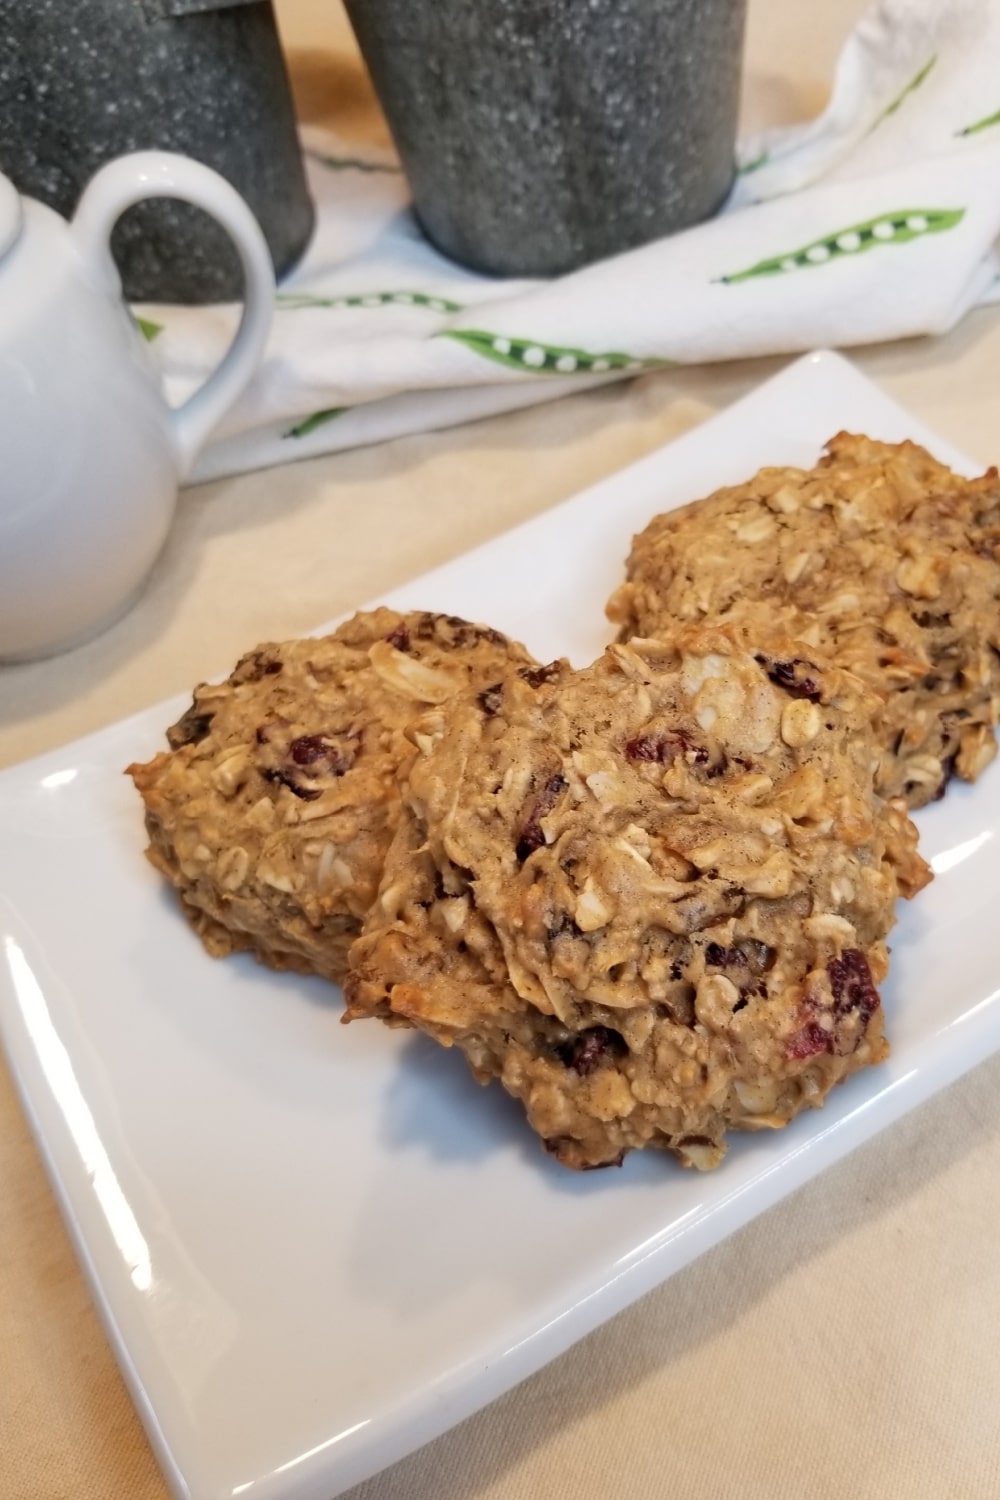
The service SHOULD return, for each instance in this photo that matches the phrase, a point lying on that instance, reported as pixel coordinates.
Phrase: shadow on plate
(436, 1106)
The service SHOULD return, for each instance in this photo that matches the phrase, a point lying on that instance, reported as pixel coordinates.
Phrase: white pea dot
(917, 223)
(601, 364)
(885, 230)
(566, 363)
(340, 302)
(436, 306)
(849, 240)
(533, 356)
(818, 253)
(502, 346)
(405, 297)
(370, 301)
(789, 264)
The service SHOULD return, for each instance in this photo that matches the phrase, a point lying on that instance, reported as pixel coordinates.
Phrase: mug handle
(162, 174)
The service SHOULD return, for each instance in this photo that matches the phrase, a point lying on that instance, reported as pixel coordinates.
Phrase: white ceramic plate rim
(77, 1074)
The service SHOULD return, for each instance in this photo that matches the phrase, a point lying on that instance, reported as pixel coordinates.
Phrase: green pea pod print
(293, 301)
(754, 165)
(896, 228)
(535, 358)
(318, 419)
(901, 98)
(148, 329)
(986, 123)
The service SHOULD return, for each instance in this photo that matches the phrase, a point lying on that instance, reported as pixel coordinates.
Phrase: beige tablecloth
(842, 1345)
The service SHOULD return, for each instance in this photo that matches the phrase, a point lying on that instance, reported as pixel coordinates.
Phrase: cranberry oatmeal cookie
(651, 897)
(881, 556)
(273, 809)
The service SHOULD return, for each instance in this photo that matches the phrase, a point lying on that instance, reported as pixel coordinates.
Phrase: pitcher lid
(10, 214)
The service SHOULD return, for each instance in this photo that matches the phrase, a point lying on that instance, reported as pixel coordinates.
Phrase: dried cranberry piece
(281, 778)
(467, 634)
(947, 772)
(400, 637)
(718, 957)
(555, 1148)
(664, 746)
(652, 747)
(308, 748)
(810, 1040)
(424, 626)
(254, 666)
(537, 677)
(586, 1050)
(754, 956)
(491, 699)
(852, 985)
(191, 728)
(532, 836)
(313, 754)
(794, 676)
(452, 630)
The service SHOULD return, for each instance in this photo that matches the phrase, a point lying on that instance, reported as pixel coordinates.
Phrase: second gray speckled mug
(539, 135)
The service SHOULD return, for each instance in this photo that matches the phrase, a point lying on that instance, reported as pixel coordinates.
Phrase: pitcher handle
(162, 174)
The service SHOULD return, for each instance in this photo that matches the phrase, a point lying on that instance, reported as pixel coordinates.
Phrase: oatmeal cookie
(651, 897)
(272, 811)
(880, 555)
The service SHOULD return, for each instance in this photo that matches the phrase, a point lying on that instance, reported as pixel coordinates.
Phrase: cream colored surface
(842, 1345)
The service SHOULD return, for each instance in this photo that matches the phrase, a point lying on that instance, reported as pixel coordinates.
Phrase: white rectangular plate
(315, 1248)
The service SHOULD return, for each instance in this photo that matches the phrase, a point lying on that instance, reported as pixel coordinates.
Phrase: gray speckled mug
(539, 135)
(84, 81)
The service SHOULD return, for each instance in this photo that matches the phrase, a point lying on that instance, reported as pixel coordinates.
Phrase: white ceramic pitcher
(91, 455)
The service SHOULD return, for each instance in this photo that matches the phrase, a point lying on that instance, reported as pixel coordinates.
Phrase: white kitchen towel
(875, 221)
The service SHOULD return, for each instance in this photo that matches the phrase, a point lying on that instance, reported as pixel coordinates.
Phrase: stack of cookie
(652, 896)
